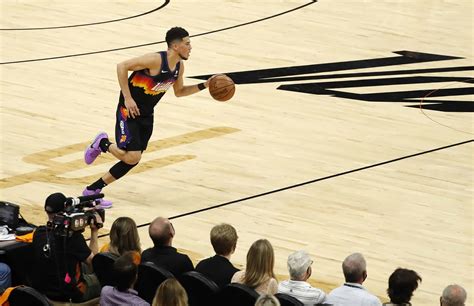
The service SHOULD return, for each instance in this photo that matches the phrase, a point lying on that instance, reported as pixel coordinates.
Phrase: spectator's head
(260, 262)
(453, 295)
(224, 239)
(267, 300)
(124, 236)
(54, 204)
(299, 266)
(170, 293)
(161, 232)
(125, 270)
(354, 268)
(401, 285)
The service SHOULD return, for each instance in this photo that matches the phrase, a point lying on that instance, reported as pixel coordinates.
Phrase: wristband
(201, 86)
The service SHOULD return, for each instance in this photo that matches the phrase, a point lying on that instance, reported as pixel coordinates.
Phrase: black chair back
(149, 279)
(27, 296)
(103, 264)
(200, 289)
(288, 300)
(236, 295)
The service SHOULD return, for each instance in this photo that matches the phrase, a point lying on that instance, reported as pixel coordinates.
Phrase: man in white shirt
(352, 293)
(299, 266)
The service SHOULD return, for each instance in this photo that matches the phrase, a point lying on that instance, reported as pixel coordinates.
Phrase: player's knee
(133, 158)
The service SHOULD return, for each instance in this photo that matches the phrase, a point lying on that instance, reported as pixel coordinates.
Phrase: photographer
(60, 257)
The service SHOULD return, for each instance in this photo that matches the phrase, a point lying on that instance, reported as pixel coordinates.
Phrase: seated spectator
(170, 293)
(258, 273)
(352, 293)
(163, 254)
(267, 300)
(401, 285)
(5, 277)
(123, 237)
(125, 275)
(219, 268)
(58, 260)
(299, 266)
(453, 295)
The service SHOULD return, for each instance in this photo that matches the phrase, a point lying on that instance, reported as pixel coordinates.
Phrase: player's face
(184, 48)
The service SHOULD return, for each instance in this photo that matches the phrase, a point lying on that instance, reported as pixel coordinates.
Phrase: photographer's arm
(94, 241)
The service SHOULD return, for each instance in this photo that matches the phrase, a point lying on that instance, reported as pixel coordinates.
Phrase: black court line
(89, 24)
(308, 182)
(157, 42)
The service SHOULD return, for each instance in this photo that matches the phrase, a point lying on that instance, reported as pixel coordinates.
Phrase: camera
(74, 214)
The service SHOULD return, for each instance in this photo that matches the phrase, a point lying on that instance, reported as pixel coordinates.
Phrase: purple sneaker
(93, 150)
(105, 204)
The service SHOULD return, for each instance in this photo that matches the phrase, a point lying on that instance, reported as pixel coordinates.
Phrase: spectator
(58, 258)
(401, 285)
(5, 277)
(453, 295)
(258, 273)
(123, 237)
(299, 266)
(125, 275)
(352, 293)
(219, 268)
(170, 293)
(267, 300)
(163, 254)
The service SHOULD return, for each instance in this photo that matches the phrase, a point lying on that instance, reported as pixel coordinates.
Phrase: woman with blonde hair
(267, 300)
(123, 237)
(258, 273)
(170, 293)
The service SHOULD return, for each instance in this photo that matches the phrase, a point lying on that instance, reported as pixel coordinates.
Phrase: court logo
(55, 170)
(339, 79)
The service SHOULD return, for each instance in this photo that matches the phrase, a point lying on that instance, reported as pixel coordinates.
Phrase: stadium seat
(200, 289)
(236, 295)
(27, 296)
(149, 279)
(288, 300)
(103, 264)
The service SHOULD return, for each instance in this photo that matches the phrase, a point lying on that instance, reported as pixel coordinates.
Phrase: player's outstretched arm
(180, 90)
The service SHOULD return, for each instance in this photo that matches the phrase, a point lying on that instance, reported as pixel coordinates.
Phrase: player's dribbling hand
(208, 80)
(132, 108)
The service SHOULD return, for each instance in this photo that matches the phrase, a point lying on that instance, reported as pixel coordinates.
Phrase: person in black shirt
(218, 268)
(152, 75)
(57, 260)
(163, 254)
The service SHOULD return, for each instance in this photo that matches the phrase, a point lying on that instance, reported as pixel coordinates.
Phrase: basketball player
(152, 75)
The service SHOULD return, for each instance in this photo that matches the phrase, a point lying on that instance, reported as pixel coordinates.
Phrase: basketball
(221, 87)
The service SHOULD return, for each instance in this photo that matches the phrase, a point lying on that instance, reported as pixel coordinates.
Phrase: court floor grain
(351, 128)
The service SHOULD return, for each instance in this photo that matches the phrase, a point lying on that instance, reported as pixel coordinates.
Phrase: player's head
(178, 40)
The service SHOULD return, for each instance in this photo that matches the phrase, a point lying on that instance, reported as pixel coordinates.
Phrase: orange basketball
(221, 87)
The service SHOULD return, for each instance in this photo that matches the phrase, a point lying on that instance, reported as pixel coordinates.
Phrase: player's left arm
(181, 90)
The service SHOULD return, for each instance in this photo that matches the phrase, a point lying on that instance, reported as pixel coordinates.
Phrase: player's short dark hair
(176, 33)
(401, 285)
(125, 271)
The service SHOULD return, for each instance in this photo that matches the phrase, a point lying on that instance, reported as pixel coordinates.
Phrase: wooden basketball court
(351, 129)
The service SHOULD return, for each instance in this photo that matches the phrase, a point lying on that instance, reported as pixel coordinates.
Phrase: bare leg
(128, 157)
(108, 178)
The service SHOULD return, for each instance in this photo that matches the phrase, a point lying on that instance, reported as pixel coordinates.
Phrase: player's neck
(173, 58)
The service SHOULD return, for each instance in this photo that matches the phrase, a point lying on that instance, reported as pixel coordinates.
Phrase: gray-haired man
(453, 295)
(352, 293)
(299, 266)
